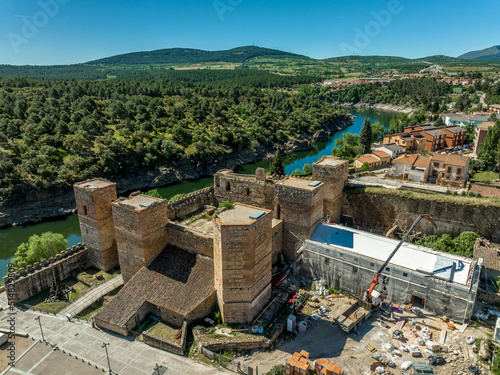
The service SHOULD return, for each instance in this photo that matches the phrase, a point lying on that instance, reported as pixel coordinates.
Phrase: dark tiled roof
(176, 279)
(489, 252)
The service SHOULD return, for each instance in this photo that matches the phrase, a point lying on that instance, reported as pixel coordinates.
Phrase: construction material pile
(298, 364)
(325, 367)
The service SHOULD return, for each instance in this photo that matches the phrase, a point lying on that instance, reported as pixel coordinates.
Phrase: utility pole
(105, 346)
(40, 323)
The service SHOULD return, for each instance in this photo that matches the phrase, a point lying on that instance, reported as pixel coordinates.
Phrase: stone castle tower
(140, 230)
(242, 262)
(93, 203)
(299, 203)
(333, 172)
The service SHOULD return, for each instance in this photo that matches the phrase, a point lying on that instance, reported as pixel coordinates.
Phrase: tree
(365, 166)
(378, 131)
(489, 149)
(277, 166)
(153, 193)
(366, 136)
(347, 147)
(307, 168)
(38, 247)
(439, 122)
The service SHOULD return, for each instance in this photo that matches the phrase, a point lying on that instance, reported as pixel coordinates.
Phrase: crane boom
(374, 282)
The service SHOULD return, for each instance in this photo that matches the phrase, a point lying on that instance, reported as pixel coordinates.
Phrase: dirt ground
(324, 339)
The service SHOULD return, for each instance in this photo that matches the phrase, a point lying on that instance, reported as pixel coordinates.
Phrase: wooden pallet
(370, 348)
(400, 324)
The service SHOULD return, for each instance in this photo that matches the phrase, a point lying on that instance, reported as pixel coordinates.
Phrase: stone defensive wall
(33, 279)
(254, 190)
(191, 239)
(190, 203)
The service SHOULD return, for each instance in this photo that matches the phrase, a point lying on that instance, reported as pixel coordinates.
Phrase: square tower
(93, 203)
(242, 262)
(333, 172)
(299, 203)
(140, 230)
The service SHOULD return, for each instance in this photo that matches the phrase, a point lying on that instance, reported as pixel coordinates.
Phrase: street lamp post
(40, 323)
(105, 346)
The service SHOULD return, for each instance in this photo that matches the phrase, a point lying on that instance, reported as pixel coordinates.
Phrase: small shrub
(226, 204)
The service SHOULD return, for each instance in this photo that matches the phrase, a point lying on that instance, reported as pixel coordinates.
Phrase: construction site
(258, 265)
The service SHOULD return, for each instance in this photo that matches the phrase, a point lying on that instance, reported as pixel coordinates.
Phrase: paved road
(127, 356)
(92, 296)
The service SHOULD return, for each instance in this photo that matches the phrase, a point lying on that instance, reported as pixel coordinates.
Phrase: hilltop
(191, 56)
(491, 53)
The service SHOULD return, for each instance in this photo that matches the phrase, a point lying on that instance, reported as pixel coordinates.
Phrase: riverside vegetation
(67, 131)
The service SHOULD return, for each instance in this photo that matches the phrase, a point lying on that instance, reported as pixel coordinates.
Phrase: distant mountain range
(247, 57)
(492, 53)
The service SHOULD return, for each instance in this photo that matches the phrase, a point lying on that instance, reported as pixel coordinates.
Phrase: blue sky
(73, 31)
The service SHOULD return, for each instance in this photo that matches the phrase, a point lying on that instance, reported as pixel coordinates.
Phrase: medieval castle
(180, 270)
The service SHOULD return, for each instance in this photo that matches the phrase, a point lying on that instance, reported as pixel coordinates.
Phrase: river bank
(381, 106)
(58, 201)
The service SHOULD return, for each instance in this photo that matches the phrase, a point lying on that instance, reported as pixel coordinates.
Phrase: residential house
(455, 136)
(391, 148)
(449, 170)
(437, 138)
(409, 142)
(463, 119)
(413, 168)
(481, 131)
(374, 160)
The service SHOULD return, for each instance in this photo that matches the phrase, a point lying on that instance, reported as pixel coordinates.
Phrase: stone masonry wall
(247, 189)
(277, 240)
(140, 235)
(242, 263)
(169, 346)
(190, 239)
(190, 203)
(32, 280)
(301, 211)
(93, 202)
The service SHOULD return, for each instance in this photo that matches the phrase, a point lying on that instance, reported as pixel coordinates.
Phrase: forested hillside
(67, 131)
(416, 92)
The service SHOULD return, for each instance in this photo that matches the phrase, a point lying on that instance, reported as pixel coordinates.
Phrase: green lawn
(485, 177)
(37, 302)
(165, 331)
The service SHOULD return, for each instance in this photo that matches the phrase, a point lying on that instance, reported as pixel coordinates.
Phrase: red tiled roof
(368, 158)
(406, 159)
(381, 154)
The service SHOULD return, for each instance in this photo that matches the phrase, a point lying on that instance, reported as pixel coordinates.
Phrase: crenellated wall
(40, 276)
(190, 203)
(255, 190)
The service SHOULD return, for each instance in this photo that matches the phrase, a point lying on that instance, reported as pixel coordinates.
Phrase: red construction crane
(375, 279)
